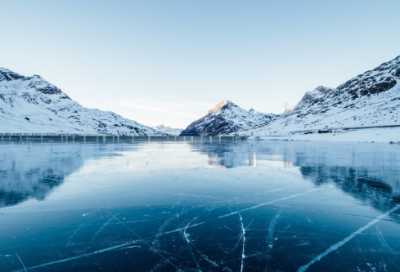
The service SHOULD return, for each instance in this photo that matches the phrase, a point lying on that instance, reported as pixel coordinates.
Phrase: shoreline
(382, 135)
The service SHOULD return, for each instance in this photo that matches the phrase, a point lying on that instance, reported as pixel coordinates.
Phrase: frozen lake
(199, 206)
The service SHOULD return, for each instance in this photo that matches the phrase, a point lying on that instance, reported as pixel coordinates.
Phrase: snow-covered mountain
(371, 99)
(169, 130)
(33, 105)
(312, 97)
(225, 118)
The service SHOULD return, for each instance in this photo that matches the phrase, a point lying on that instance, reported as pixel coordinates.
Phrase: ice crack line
(146, 243)
(156, 242)
(347, 239)
(269, 202)
(21, 262)
(188, 244)
(384, 242)
(271, 237)
(180, 229)
(101, 229)
(244, 241)
(201, 254)
(272, 229)
(139, 237)
(76, 257)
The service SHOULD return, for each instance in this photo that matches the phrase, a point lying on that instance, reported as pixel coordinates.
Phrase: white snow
(361, 135)
(240, 117)
(228, 117)
(360, 102)
(168, 130)
(32, 105)
(372, 99)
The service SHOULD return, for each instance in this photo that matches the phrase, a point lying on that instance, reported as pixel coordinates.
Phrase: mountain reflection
(32, 186)
(230, 160)
(33, 170)
(230, 154)
(368, 173)
(358, 183)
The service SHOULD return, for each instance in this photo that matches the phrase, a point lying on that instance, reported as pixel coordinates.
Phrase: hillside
(371, 99)
(168, 130)
(33, 105)
(226, 118)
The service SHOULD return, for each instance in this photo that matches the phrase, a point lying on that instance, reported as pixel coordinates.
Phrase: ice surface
(199, 206)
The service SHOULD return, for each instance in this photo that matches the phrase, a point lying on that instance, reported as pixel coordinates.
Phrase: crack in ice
(138, 236)
(188, 244)
(271, 236)
(269, 202)
(201, 254)
(244, 241)
(101, 229)
(272, 229)
(384, 241)
(78, 257)
(347, 239)
(21, 262)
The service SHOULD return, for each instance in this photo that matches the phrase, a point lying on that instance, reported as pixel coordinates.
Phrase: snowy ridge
(218, 106)
(33, 105)
(168, 130)
(371, 99)
(312, 97)
(226, 118)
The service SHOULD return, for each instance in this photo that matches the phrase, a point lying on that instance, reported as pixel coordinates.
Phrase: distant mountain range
(33, 105)
(371, 99)
(226, 118)
(168, 130)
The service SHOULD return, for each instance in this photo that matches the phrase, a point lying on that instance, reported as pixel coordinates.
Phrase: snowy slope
(169, 130)
(226, 118)
(33, 105)
(312, 97)
(370, 99)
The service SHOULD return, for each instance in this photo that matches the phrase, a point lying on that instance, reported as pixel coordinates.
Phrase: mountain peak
(5, 70)
(319, 91)
(221, 105)
(8, 75)
(311, 97)
(225, 118)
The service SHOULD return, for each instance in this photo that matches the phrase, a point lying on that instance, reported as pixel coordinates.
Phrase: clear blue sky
(170, 61)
